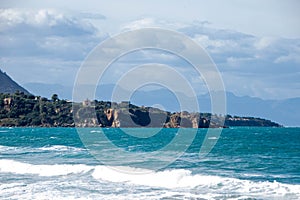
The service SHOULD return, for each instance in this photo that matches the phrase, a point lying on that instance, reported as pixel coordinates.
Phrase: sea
(150, 163)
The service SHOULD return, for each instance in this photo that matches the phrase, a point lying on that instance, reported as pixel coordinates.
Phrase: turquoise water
(91, 163)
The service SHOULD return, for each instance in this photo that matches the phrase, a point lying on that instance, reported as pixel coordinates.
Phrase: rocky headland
(22, 109)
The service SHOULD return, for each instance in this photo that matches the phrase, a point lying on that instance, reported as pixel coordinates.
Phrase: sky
(255, 44)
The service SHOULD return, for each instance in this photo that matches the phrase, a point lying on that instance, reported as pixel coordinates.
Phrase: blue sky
(255, 44)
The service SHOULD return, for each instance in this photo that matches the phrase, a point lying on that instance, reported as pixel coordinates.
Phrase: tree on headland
(54, 97)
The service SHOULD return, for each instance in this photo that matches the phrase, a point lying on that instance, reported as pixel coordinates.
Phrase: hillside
(9, 86)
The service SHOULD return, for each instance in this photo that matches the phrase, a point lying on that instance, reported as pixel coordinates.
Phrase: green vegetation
(21, 109)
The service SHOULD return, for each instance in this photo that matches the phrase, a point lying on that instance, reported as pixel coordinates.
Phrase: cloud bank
(48, 46)
(45, 45)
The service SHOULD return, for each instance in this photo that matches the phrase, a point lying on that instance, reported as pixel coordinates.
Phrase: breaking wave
(168, 179)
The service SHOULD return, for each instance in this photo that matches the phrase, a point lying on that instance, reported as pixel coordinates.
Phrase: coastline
(23, 110)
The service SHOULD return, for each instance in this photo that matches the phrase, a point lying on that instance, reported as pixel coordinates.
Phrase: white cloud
(264, 42)
(250, 60)
(289, 52)
(150, 22)
(46, 21)
(46, 45)
(10, 17)
(215, 45)
(252, 65)
(49, 35)
(260, 18)
(292, 57)
(46, 32)
(238, 62)
(14, 17)
(141, 23)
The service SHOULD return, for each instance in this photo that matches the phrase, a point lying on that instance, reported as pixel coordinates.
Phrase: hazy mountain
(285, 112)
(8, 85)
(47, 90)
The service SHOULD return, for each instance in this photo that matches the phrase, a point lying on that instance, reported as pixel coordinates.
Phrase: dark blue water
(64, 163)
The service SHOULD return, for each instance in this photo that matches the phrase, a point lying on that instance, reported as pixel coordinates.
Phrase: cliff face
(138, 118)
(187, 120)
(112, 118)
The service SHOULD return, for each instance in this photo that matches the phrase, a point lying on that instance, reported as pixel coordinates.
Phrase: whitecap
(172, 182)
(213, 138)
(94, 131)
(182, 178)
(60, 148)
(7, 148)
(12, 166)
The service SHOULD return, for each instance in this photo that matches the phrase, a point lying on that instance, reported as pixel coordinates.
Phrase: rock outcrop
(187, 120)
(143, 118)
(112, 118)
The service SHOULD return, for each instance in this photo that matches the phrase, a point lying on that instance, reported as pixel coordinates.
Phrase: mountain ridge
(8, 85)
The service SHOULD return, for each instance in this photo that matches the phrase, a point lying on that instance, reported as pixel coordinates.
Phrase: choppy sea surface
(58, 163)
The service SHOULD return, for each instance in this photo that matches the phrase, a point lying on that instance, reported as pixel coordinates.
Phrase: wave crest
(11, 166)
(169, 179)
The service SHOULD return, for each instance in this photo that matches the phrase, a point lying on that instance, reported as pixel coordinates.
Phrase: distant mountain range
(8, 85)
(285, 112)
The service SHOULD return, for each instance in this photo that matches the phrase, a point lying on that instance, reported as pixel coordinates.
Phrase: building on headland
(86, 103)
(7, 102)
(124, 104)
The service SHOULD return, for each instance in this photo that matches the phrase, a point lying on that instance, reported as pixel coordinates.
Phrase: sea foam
(172, 179)
(60, 148)
(182, 178)
(11, 166)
